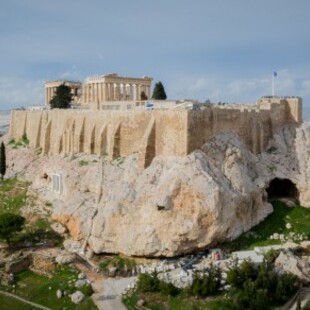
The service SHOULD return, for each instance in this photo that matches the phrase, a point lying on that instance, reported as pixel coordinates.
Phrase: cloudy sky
(224, 50)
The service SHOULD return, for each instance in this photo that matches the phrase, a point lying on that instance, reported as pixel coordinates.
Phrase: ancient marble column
(117, 92)
(93, 92)
(100, 92)
(86, 93)
(112, 95)
(124, 96)
(96, 92)
(106, 92)
(131, 92)
(137, 97)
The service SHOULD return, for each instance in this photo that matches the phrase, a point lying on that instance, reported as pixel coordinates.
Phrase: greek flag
(275, 73)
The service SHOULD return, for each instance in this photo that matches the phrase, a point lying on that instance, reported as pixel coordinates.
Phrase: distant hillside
(4, 121)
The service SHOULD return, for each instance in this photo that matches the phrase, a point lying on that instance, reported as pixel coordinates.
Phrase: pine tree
(159, 92)
(2, 160)
(62, 98)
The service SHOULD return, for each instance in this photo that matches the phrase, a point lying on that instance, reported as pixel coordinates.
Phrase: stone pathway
(108, 292)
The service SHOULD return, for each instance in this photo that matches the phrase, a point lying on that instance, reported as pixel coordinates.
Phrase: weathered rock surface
(177, 204)
(77, 297)
(64, 258)
(58, 228)
(300, 267)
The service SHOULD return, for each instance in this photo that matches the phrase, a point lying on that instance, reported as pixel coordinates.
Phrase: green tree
(206, 284)
(10, 223)
(2, 160)
(62, 98)
(159, 92)
(143, 96)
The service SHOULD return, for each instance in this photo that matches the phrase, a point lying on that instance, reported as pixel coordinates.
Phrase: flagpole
(272, 85)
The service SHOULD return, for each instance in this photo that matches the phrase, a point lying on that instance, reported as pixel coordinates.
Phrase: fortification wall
(112, 133)
(150, 132)
(255, 125)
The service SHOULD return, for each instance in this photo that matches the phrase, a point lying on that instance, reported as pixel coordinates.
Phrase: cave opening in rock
(282, 188)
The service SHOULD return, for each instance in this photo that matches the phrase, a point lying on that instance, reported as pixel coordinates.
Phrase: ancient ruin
(99, 89)
(112, 87)
(51, 86)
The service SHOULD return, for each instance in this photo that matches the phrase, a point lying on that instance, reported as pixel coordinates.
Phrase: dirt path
(24, 300)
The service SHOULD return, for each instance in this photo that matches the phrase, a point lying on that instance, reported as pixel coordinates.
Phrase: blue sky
(224, 50)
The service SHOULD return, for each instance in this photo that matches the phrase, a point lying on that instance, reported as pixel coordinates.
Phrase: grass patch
(22, 142)
(298, 217)
(83, 163)
(41, 290)
(13, 304)
(118, 161)
(13, 195)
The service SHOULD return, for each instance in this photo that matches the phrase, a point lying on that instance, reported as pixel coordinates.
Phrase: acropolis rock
(178, 204)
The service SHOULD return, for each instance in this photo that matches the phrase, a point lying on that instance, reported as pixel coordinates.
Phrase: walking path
(24, 300)
(108, 292)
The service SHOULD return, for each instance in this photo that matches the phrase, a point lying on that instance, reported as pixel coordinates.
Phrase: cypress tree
(159, 92)
(2, 160)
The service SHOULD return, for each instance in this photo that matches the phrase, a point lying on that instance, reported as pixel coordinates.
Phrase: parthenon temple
(110, 87)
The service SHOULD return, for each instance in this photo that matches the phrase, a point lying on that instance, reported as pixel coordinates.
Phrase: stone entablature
(150, 133)
(112, 87)
(51, 86)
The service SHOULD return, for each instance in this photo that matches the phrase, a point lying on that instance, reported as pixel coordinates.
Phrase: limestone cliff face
(177, 204)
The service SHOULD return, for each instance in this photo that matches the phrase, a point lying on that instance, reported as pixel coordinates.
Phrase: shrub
(168, 289)
(87, 290)
(148, 282)
(24, 139)
(10, 223)
(207, 283)
(259, 287)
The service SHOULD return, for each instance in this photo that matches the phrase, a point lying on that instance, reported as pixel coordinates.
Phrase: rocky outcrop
(176, 205)
(299, 266)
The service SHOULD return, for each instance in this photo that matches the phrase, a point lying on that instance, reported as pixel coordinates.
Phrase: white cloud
(71, 74)
(239, 90)
(15, 93)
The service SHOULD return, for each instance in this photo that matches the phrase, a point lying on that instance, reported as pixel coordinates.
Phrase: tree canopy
(62, 98)
(10, 223)
(2, 160)
(159, 92)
